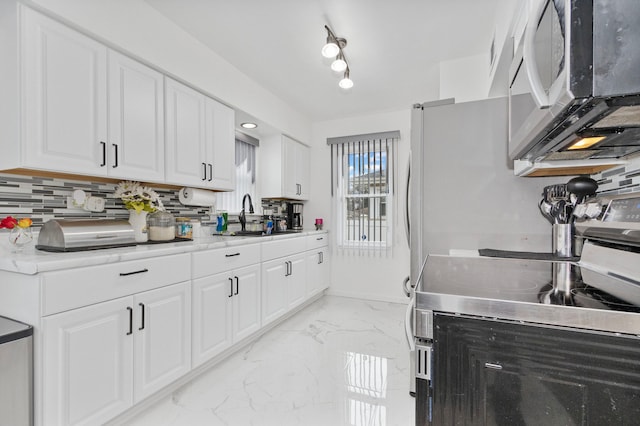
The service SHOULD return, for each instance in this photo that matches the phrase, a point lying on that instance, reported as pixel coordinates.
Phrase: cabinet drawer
(73, 288)
(317, 241)
(283, 247)
(219, 260)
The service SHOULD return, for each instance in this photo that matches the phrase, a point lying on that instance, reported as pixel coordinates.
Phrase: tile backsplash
(620, 180)
(42, 199)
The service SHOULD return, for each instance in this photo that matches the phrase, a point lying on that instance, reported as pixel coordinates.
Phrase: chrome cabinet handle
(130, 309)
(210, 172)
(237, 285)
(204, 171)
(232, 255)
(142, 318)
(230, 287)
(141, 271)
(104, 154)
(492, 366)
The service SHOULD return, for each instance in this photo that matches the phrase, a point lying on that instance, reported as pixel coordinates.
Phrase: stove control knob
(593, 210)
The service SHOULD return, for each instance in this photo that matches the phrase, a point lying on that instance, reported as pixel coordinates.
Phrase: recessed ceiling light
(248, 125)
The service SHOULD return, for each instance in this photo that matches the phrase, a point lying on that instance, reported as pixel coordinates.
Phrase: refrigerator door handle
(408, 325)
(407, 223)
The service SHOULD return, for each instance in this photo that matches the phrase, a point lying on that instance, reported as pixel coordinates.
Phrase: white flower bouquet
(137, 197)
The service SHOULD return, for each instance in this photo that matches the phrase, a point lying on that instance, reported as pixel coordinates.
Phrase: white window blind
(245, 163)
(363, 188)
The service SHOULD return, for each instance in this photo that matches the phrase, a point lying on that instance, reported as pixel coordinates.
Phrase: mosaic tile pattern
(42, 199)
(620, 180)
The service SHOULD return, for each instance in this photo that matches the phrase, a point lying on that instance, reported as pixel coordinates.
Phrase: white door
(274, 289)
(185, 154)
(221, 144)
(212, 316)
(297, 280)
(246, 302)
(65, 98)
(162, 328)
(136, 120)
(87, 364)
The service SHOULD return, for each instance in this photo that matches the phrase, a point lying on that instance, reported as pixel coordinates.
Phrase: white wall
(466, 79)
(368, 277)
(141, 31)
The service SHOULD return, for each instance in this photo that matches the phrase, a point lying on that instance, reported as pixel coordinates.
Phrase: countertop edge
(32, 261)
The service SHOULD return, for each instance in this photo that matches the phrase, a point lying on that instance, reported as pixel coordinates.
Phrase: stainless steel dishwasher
(16, 373)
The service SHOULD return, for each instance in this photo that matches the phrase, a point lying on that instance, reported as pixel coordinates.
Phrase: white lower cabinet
(226, 309)
(318, 272)
(103, 358)
(283, 286)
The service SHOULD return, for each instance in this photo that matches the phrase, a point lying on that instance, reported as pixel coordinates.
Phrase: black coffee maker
(294, 216)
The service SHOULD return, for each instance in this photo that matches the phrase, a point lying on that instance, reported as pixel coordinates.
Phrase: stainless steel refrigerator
(463, 194)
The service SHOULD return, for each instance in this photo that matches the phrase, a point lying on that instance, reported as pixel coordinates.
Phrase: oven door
(538, 89)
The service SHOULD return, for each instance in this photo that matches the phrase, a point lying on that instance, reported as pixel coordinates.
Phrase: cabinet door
(274, 290)
(186, 158)
(302, 171)
(246, 302)
(290, 184)
(65, 98)
(87, 364)
(162, 338)
(221, 145)
(212, 316)
(297, 280)
(318, 271)
(136, 120)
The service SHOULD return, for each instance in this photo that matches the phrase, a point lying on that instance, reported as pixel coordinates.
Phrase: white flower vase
(138, 221)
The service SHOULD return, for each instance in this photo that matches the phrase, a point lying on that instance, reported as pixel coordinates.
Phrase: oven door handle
(540, 97)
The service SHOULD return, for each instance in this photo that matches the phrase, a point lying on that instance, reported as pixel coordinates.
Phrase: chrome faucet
(241, 217)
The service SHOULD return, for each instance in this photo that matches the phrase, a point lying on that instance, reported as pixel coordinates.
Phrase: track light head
(346, 82)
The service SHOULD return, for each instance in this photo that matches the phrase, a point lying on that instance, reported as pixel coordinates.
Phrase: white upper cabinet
(285, 169)
(65, 98)
(136, 120)
(200, 139)
(88, 110)
(185, 139)
(221, 139)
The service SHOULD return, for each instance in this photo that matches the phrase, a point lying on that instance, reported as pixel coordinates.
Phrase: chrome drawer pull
(141, 271)
(492, 366)
(231, 255)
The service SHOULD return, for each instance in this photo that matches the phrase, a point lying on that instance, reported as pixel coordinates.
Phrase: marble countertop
(31, 261)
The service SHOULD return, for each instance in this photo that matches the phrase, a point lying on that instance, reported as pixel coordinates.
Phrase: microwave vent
(626, 116)
(569, 155)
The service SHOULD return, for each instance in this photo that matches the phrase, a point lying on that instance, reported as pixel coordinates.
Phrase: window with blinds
(245, 162)
(363, 189)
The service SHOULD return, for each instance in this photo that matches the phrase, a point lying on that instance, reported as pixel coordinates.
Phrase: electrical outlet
(71, 204)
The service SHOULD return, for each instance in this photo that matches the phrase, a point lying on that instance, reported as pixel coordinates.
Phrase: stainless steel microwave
(574, 90)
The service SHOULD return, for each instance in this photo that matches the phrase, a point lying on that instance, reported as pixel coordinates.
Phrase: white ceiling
(394, 46)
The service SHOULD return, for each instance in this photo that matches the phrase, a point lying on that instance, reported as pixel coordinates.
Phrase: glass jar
(184, 228)
(161, 226)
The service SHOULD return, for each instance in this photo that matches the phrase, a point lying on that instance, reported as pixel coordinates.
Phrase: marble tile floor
(340, 361)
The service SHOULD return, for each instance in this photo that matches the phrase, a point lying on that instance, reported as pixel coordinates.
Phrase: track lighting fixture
(334, 48)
